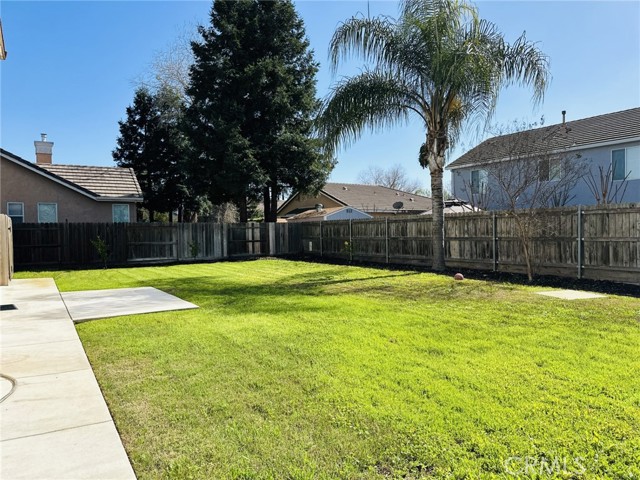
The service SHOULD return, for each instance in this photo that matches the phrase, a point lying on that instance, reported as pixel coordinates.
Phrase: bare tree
(533, 173)
(169, 68)
(603, 187)
(393, 177)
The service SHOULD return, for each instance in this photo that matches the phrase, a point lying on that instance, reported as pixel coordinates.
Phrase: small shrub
(102, 248)
(194, 249)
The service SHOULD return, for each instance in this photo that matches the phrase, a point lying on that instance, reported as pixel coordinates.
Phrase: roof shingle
(374, 198)
(102, 181)
(609, 127)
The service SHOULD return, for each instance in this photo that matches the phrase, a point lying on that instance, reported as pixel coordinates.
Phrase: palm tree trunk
(437, 234)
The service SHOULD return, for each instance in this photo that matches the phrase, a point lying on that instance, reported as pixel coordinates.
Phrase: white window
(15, 210)
(550, 169)
(625, 163)
(47, 212)
(478, 181)
(120, 213)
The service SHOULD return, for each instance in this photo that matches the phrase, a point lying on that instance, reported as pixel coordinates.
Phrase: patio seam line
(57, 430)
(64, 303)
(26, 344)
(36, 343)
(54, 373)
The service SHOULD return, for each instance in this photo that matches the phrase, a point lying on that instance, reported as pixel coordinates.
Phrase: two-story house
(601, 153)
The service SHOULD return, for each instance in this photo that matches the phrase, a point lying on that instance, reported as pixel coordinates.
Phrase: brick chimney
(43, 150)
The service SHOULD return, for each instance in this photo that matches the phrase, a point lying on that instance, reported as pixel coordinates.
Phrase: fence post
(494, 221)
(225, 240)
(321, 239)
(350, 242)
(386, 237)
(272, 238)
(580, 241)
(179, 232)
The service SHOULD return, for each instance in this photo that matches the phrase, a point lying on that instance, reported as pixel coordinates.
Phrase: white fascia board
(119, 199)
(562, 150)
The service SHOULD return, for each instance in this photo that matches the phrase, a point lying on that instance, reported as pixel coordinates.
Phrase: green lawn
(300, 370)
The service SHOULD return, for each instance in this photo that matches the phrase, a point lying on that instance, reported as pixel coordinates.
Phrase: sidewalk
(55, 423)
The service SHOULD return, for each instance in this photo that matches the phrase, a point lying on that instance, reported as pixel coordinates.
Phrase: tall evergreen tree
(252, 102)
(152, 143)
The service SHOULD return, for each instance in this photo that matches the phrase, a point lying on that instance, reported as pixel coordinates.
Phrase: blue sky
(72, 69)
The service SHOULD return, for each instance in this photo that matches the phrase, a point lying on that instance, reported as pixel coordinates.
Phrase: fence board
(598, 243)
(610, 245)
(6, 250)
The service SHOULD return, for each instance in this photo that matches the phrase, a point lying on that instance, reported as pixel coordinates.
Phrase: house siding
(344, 214)
(593, 158)
(17, 184)
(307, 202)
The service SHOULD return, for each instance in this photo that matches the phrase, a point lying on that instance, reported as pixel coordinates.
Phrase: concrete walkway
(54, 424)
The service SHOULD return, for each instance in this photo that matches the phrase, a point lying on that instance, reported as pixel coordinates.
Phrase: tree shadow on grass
(282, 295)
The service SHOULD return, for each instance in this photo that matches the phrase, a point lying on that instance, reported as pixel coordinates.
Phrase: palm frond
(526, 65)
(371, 100)
(370, 39)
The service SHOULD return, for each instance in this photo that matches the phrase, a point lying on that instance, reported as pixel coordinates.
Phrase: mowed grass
(304, 371)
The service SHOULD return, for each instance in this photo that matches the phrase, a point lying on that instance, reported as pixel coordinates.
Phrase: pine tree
(152, 143)
(252, 102)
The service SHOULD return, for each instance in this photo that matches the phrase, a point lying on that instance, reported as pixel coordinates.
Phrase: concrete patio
(54, 423)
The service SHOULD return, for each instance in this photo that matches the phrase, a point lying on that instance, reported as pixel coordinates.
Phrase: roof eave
(120, 199)
(51, 176)
(570, 149)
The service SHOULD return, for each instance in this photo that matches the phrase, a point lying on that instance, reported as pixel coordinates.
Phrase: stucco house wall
(18, 184)
(592, 158)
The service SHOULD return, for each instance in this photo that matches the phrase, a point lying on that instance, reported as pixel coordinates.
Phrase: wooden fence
(587, 242)
(6, 250)
(73, 244)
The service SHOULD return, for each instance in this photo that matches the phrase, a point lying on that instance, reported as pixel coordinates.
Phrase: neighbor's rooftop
(610, 127)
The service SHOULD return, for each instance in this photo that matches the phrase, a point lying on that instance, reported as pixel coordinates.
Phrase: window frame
(11, 216)
(113, 212)
(626, 172)
(47, 203)
(481, 186)
(550, 169)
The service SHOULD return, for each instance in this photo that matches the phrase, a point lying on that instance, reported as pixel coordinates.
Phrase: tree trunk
(242, 209)
(437, 235)
(525, 233)
(273, 207)
(266, 202)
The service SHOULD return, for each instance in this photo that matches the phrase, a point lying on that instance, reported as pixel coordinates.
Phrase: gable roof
(102, 181)
(99, 183)
(604, 129)
(371, 198)
(316, 215)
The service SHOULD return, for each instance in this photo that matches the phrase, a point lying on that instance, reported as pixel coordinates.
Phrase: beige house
(373, 200)
(42, 192)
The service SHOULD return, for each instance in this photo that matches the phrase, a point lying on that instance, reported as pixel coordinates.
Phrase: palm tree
(439, 61)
